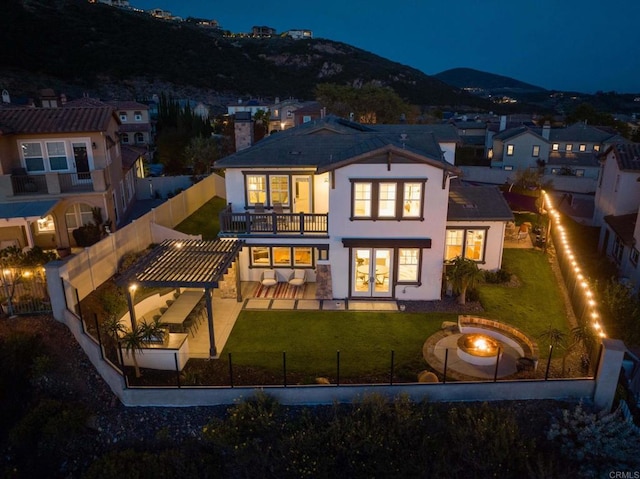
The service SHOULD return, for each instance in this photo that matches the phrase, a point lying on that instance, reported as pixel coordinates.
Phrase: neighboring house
(135, 127)
(363, 209)
(617, 199)
(473, 137)
(262, 31)
(282, 113)
(519, 148)
(252, 106)
(310, 111)
(56, 164)
(298, 34)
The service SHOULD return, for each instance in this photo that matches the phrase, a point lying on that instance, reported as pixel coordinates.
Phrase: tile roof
(133, 127)
(329, 142)
(513, 132)
(55, 120)
(623, 226)
(84, 101)
(486, 203)
(627, 155)
(127, 105)
(130, 154)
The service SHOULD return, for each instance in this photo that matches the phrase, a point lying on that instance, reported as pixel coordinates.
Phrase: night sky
(571, 45)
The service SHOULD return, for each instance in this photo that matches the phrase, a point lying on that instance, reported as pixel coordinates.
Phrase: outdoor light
(133, 288)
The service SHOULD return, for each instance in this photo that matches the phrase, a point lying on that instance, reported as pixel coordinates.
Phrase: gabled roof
(579, 132)
(331, 142)
(486, 203)
(55, 120)
(84, 101)
(127, 105)
(514, 132)
(627, 155)
(623, 226)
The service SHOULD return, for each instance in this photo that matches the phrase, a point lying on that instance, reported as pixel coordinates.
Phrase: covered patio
(197, 266)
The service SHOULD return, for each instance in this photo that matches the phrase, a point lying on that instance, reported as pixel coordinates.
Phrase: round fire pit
(478, 349)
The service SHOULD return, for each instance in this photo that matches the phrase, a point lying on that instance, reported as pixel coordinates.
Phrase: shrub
(497, 277)
(596, 443)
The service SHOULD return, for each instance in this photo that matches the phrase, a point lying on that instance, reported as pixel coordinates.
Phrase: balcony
(23, 184)
(241, 224)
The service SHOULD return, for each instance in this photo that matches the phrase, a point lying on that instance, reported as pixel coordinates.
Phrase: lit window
(536, 151)
(260, 256)
(474, 246)
(453, 244)
(596, 147)
(137, 116)
(362, 200)
(279, 189)
(57, 156)
(412, 200)
(33, 157)
(555, 147)
(583, 147)
(256, 189)
(510, 149)
(302, 256)
(465, 243)
(46, 224)
(569, 147)
(408, 260)
(123, 116)
(387, 200)
(282, 256)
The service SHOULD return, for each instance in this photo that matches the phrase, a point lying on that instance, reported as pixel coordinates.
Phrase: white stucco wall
(494, 240)
(616, 201)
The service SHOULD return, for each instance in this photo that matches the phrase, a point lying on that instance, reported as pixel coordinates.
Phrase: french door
(371, 270)
(301, 194)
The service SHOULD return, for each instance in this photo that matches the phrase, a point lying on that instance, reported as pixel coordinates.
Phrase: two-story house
(56, 165)
(363, 209)
(616, 205)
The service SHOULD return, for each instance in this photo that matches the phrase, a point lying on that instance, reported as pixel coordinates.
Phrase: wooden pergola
(185, 264)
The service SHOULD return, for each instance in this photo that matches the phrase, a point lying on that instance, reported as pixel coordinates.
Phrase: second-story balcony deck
(23, 184)
(292, 224)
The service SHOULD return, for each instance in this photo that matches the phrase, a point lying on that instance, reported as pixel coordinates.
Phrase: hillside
(470, 78)
(78, 47)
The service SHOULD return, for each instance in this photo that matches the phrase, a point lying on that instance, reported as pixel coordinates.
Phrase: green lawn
(365, 339)
(205, 220)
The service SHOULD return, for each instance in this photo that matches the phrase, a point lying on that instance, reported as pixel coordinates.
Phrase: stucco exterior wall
(494, 241)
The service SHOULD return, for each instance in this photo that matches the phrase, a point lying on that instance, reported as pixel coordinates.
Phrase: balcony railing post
(301, 223)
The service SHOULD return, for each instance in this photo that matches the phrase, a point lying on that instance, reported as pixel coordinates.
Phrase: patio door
(301, 194)
(371, 269)
(81, 160)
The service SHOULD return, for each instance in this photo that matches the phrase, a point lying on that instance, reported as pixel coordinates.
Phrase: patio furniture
(298, 277)
(180, 309)
(259, 219)
(279, 211)
(268, 278)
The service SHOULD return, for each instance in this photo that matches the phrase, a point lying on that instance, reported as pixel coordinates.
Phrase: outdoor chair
(298, 277)
(279, 211)
(268, 278)
(259, 221)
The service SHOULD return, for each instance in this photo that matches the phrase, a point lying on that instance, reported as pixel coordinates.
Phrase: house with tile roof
(616, 206)
(57, 164)
(365, 210)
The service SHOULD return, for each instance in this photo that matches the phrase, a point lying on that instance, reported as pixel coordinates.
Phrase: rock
(427, 377)
(322, 381)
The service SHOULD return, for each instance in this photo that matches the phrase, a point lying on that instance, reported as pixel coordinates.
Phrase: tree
(200, 154)
(261, 124)
(133, 341)
(369, 103)
(463, 274)
(15, 265)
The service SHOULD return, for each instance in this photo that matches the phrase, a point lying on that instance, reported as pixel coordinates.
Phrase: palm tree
(463, 274)
(133, 341)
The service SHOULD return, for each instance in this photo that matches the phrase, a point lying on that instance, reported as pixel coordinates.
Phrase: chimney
(277, 100)
(63, 99)
(5, 97)
(243, 130)
(503, 122)
(546, 130)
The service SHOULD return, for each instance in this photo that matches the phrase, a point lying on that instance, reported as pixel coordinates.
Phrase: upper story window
(139, 137)
(555, 146)
(43, 156)
(124, 137)
(137, 116)
(596, 147)
(279, 189)
(569, 147)
(256, 189)
(535, 152)
(582, 147)
(510, 149)
(387, 199)
(123, 116)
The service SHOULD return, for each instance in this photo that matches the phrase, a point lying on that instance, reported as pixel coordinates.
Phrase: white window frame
(408, 265)
(46, 158)
(510, 149)
(256, 188)
(535, 151)
(568, 148)
(137, 116)
(555, 147)
(582, 147)
(123, 116)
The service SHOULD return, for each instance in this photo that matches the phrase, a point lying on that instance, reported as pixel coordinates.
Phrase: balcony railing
(25, 184)
(29, 184)
(273, 223)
